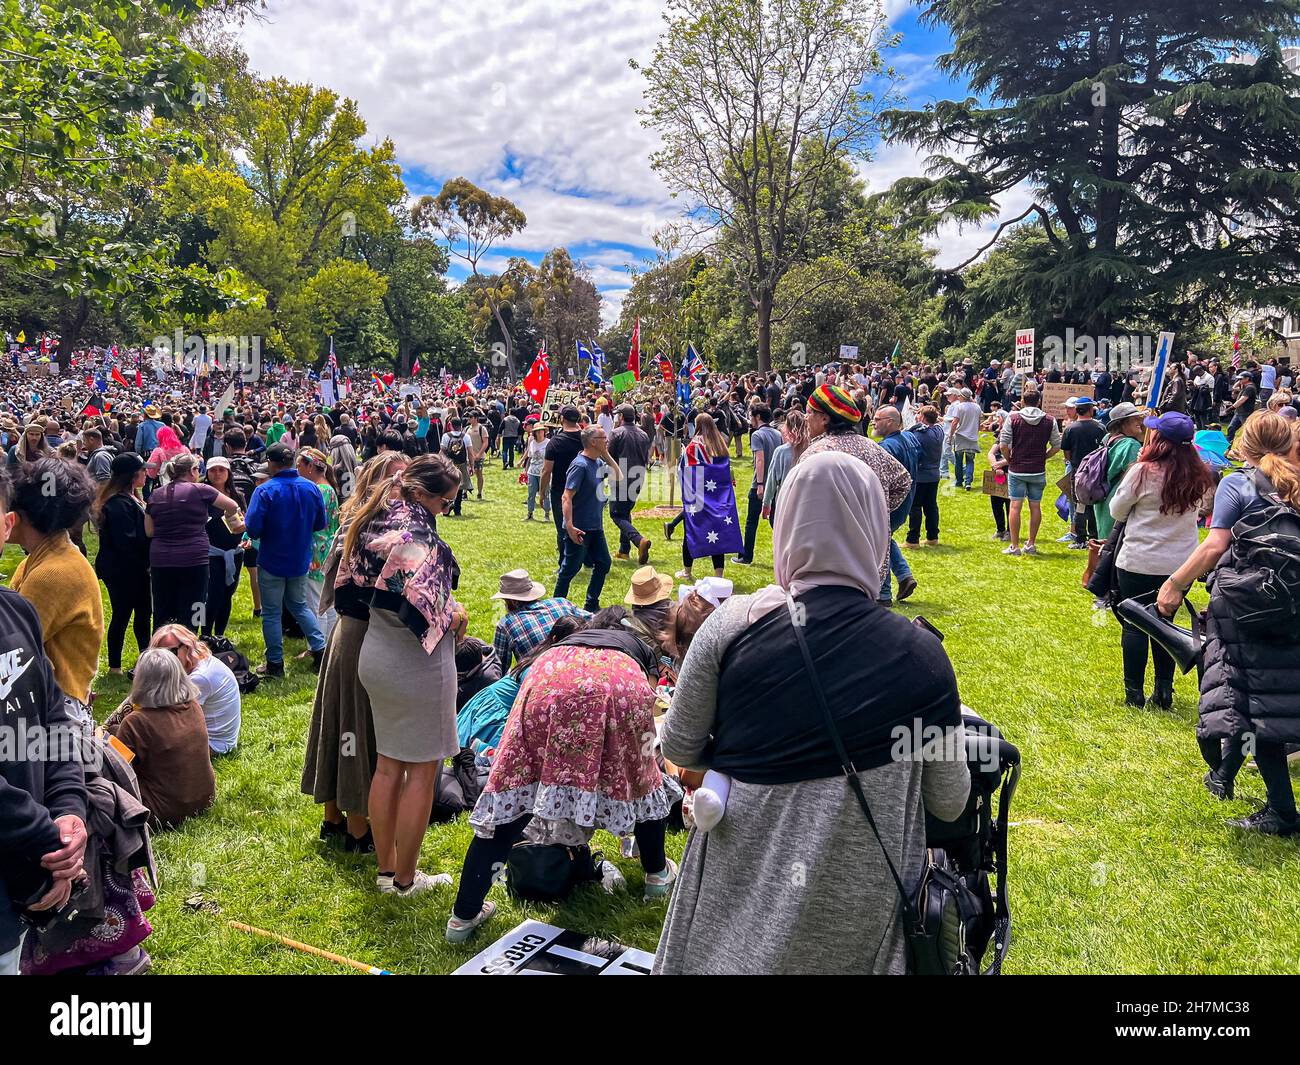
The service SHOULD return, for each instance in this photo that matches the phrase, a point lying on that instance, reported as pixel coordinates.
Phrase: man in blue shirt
(583, 506)
(283, 514)
(146, 437)
(888, 424)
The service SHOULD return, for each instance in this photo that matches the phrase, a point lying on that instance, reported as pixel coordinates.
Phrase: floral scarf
(399, 552)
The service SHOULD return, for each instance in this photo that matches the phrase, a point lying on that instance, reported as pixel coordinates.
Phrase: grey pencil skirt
(412, 694)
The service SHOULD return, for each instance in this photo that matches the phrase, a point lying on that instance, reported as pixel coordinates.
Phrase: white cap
(713, 590)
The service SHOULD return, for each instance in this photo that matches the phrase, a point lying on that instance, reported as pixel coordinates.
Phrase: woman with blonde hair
(337, 772)
(1250, 688)
(408, 659)
(712, 522)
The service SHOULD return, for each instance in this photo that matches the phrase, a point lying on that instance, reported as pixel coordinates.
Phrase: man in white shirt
(202, 426)
(964, 438)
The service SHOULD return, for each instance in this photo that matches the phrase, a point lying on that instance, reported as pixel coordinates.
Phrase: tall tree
(571, 306)
(755, 102)
(1159, 141)
(472, 221)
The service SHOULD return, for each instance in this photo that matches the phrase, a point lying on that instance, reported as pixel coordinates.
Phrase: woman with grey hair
(163, 725)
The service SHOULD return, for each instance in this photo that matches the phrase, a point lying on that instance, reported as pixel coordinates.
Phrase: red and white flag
(634, 356)
(538, 378)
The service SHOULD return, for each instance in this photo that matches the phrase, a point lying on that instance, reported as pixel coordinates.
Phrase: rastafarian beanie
(836, 404)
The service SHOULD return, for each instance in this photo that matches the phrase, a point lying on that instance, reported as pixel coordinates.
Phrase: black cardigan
(123, 545)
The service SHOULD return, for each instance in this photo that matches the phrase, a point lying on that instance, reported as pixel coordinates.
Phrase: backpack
(1091, 485)
(233, 659)
(458, 788)
(241, 476)
(456, 450)
(548, 872)
(1259, 579)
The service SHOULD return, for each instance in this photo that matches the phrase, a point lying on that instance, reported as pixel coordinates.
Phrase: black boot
(1133, 696)
(1162, 696)
(316, 657)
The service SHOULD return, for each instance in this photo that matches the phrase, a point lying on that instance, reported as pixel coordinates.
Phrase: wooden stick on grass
(306, 948)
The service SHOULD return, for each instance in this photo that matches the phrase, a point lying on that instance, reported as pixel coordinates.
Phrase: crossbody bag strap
(909, 910)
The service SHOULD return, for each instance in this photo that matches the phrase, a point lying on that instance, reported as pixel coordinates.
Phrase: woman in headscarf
(408, 659)
(344, 461)
(744, 706)
(573, 758)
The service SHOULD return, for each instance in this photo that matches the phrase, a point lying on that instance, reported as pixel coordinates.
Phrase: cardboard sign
(537, 949)
(327, 396)
(561, 397)
(1055, 395)
(992, 488)
(1025, 351)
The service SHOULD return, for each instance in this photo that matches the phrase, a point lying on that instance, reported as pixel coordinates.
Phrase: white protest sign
(848, 351)
(1024, 351)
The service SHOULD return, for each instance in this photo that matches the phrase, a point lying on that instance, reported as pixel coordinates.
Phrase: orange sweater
(58, 581)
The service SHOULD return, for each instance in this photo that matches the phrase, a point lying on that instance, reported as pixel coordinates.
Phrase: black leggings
(924, 504)
(128, 599)
(180, 594)
(486, 858)
(1133, 642)
(1000, 508)
(220, 595)
(718, 560)
(1225, 759)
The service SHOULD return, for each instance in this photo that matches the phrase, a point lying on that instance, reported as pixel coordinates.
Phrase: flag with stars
(709, 500)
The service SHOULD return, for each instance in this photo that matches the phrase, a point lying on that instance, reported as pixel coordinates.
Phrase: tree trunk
(505, 339)
(404, 357)
(764, 310)
(72, 322)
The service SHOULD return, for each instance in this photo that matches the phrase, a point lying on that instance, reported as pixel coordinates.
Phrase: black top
(1081, 439)
(880, 673)
(561, 450)
(123, 545)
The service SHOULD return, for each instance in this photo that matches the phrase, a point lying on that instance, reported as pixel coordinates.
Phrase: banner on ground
(1024, 351)
(537, 949)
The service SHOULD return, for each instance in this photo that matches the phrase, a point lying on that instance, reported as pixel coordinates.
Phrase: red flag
(139, 382)
(415, 369)
(387, 378)
(91, 411)
(538, 378)
(666, 368)
(634, 356)
(117, 376)
(90, 381)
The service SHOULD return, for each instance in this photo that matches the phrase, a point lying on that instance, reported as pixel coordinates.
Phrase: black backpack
(548, 872)
(456, 450)
(1258, 580)
(225, 651)
(458, 788)
(241, 476)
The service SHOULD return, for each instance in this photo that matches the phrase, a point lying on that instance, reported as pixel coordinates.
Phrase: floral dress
(322, 541)
(577, 751)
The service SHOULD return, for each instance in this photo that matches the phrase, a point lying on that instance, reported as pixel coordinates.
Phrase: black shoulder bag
(938, 912)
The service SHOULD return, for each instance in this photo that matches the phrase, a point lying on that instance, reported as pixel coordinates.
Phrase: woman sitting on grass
(163, 726)
(219, 695)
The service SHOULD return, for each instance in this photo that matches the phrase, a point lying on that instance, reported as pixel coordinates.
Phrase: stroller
(975, 845)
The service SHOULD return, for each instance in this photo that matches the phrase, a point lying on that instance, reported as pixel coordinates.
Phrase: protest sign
(537, 949)
(1024, 351)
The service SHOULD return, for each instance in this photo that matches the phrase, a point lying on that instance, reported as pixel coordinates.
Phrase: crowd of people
(342, 517)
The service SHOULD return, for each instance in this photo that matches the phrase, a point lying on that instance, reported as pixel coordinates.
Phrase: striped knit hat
(836, 404)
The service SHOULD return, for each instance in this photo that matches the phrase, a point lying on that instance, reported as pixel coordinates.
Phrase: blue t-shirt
(586, 480)
(1235, 498)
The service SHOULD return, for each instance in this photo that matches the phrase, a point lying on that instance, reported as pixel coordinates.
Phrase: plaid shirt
(522, 630)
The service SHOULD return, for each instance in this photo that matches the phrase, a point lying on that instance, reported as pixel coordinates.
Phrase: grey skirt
(412, 694)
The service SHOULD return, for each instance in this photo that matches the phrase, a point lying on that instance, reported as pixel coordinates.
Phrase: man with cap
(283, 515)
(529, 616)
(832, 420)
(1081, 438)
(964, 437)
(561, 450)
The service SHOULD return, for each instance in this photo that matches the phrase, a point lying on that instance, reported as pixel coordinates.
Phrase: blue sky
(534, 99)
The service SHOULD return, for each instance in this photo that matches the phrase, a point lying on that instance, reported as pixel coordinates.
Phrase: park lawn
(1119, 859)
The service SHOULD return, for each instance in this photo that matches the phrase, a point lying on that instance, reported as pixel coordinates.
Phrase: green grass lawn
(1120, 862)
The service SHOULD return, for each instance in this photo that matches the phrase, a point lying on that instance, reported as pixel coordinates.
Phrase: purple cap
(1173, 426)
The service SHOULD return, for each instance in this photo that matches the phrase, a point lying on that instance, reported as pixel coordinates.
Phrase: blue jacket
(907, 449)
(146, 437)
(930, 437)
(282, 515)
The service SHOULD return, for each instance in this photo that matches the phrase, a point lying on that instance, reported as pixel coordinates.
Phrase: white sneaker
(423, 882)
(1029, 549)
(657, 885)
(458, 931)
(1067, 538)
(384, 882)
(611, 879)
(1011, 550)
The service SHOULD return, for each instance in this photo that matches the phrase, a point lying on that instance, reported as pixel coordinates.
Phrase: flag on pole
(692, 365)
(117, 376)
(481, 379)
(379, 382)
(898, 345)
(597, 356)
(227, 398)
(665, 368)
(538, 378)
(1236, 351)
(634, 355)
(139, 381)
(415, 368)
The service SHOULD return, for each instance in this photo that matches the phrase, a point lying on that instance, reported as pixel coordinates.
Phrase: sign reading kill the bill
(1024, 351)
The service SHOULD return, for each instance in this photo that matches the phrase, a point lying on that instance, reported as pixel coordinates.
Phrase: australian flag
(481, 379)
(709, 503)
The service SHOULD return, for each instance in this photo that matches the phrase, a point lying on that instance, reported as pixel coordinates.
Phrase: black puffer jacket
(1248, 685)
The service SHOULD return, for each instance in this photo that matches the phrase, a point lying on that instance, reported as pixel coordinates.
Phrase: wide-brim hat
(648, 587)
(1123, 410)
(151, 411)
(518, 586)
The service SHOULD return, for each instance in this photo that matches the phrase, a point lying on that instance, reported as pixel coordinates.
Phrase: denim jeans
(898, 567)
(534, 483)
(277, 593)
(593, 545)
(964, 467)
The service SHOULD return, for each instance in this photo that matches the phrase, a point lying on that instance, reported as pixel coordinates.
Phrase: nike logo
(11, 670)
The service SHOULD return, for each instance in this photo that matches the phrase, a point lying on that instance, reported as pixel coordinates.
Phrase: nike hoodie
(36, 786)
